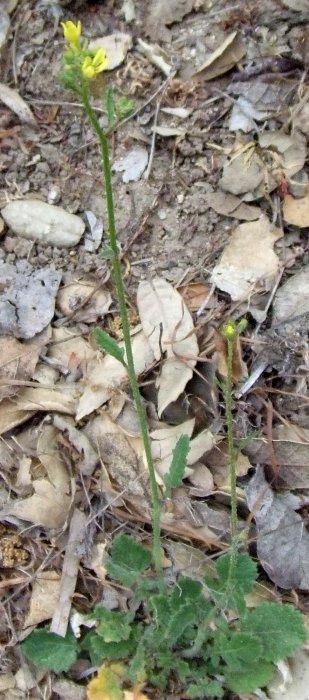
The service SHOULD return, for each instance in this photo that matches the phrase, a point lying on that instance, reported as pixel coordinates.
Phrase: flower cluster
(80, 63)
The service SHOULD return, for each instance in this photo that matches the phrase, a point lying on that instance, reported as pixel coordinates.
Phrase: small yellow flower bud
(92, 66)
(230, 331)
(72, 33)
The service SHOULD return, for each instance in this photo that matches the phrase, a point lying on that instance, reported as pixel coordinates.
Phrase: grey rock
(51, 225)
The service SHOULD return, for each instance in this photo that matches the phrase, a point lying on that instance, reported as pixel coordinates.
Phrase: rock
(27, 303)
(51, 225)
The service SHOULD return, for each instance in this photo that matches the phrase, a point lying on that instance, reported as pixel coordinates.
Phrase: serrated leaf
(175, 475)
(160, 606)
(185, 590)
(47, 650)
(107, 684)
(128, 559)
(245, 571)
(109, 345)
(179, 621)
(211, 689)
(280, 628)
(99, 650)
(249, 679)
(238, 647)
(113, 626)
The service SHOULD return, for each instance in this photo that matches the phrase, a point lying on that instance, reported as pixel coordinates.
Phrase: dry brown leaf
(292, 298)
(68, 690)
(47, 506)
(72, 301)
(239, 272)
(49, 455)
(239, 367)
(15, 102)
(223, 58)
(44, 598)
(189, 561)
(168, 325)
(11, 415)
(195, 294)
(296, 211)
(105, 375)
(164, 441)
(202, 480)
(288, 152)
(18, 361)
(217, 461)
(116, 46)
(69, 348)
(81, 443)
(230, 205)
(161, 14)
(62, 399)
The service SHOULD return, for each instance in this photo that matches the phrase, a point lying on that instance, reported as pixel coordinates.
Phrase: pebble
(49, 224)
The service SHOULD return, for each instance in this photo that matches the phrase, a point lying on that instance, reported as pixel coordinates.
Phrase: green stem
(232, 453)
(156, 505)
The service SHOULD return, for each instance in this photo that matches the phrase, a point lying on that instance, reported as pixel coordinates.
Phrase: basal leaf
(128, 559)
(185, 616)
(113, 625)
(280, 629)
(238, 648)
(109, 345)
(48, 650)
(99, 650)
(208, 689)
(245, 571)
(253, 676)
(176, 471)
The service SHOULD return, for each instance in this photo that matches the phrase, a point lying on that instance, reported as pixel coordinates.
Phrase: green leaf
(245, 571)
(109, 345)
(99, 650)
(176, 471)
(124, 107)
(48, 650)
(128, 559)
(113, 626)
(249, 679)
(208, 689)
(238, 647)
(160, 606)
(137, 668)
(280, 628)
(185, 616)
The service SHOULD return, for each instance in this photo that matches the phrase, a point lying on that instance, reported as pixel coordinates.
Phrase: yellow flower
(92, 66)
(230, 330)
(72, 33)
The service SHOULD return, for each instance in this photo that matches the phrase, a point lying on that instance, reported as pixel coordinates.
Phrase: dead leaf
(292, 298)
(202, 480)
(155, 55)
(292, 682)
(18, 361)
(84, 300)
(239, 367)
(243, 115)
(44, 598)
(68, 347)
(11, 415)
(161, 14)
(81, 443)
(223, 58)
(168, 325)
(239, 272)
(301, 118)
(164, 441)
(217, 461)
(62, 399)
(296, 211)
(116, 46)
(105, 375)
(195, 294)
(15, 102)
(68, 690)
(242, 174)
(47, 506)
(166, 131)
(288, 152)
(282, 539)
(291, 445)
(189, 561)
(229, 205)
(49, 455)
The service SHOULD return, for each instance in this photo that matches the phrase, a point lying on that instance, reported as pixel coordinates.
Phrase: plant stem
(232, 453)
(156, 504)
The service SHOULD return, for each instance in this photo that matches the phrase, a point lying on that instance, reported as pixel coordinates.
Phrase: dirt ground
(169, 226)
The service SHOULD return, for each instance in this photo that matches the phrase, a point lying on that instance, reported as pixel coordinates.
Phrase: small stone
(36, 220)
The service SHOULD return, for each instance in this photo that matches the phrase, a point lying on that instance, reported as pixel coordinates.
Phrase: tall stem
(156, 505)
(232, 453)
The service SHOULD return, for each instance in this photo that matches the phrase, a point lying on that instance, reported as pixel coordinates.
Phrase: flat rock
(43, 222)
(27, 302)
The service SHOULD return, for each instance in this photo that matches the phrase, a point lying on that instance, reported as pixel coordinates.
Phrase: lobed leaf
(49, 650)
(280, 628)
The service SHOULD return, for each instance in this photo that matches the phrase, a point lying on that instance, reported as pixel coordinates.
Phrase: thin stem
(232, 453)
(156, 505)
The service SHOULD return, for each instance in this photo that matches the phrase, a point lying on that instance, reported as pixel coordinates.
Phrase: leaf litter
(70, 438)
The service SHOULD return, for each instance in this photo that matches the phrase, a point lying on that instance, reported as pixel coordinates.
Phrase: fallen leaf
(68, 690)
(291, 445)
(294, 682)
(85, 300)
(169, 131)
(15, 102)
(223, 58)
(239, 272)
(132, 165)
(301, 118)
(155, 55)
(81, 443)
(230, 205)
(180, 112)
(11, 415)
(164, 441)
(116, 46)
(217, 461)
(4, 26)
(62, 399)
(195, 294)
(243, 115)
(27, 299)
(18, 361)
(202, 480)
(239, 367)
(282, 539)
(189, 561)
(107, 684)
(106, 374)
(296, 211)
(47, 506)
(67, 345)
(44, 598)
(292, 150)
(49, 455)
(168, 325)
(7, 682)
(161, 14)
(242, 175)
(292, 298)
